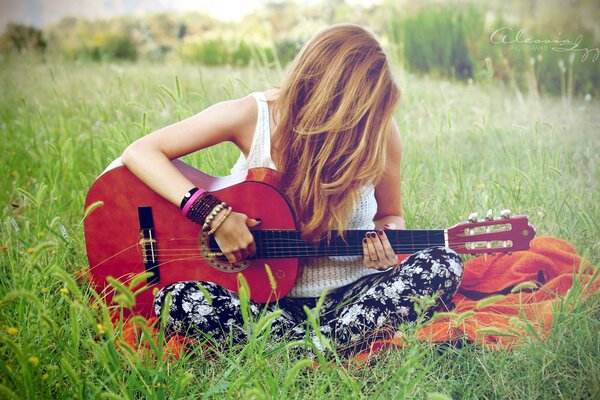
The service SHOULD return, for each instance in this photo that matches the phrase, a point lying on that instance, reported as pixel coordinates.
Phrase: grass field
(466, 148)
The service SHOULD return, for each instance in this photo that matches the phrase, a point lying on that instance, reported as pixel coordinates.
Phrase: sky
(41, 13)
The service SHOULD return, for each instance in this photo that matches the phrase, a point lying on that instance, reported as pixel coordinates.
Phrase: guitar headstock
(503, 234)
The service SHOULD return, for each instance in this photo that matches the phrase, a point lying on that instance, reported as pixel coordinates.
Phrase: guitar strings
(292, 245)
(288, 251)
(169, 252)
(176, 253)
(280, 245)
(286, 242)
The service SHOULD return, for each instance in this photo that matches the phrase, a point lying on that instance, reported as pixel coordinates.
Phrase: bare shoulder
(245, 110)
(388, 193)
(395, 143)
(272, 94)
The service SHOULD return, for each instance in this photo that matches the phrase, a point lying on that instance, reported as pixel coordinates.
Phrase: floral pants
(351, 316)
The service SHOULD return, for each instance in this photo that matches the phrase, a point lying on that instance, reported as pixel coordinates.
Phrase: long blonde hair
(334, 111)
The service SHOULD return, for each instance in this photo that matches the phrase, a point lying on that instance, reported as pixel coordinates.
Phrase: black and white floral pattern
(351, 316)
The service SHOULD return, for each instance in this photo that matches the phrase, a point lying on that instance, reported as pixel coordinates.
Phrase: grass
(466, 148)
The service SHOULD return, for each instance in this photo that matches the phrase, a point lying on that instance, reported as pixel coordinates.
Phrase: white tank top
(319, 273)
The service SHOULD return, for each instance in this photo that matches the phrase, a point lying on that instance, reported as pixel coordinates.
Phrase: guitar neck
(288, 243)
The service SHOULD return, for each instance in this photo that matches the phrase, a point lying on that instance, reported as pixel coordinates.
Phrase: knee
(446, 271)
(162, 295)
(182, 297)
(435, 265)
(449, 259)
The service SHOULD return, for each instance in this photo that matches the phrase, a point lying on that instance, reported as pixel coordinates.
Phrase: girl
(330, 132)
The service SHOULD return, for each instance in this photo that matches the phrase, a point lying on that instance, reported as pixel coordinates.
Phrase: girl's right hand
(234, 237)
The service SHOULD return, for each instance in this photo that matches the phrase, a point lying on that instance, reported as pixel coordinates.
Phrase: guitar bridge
(148, 244)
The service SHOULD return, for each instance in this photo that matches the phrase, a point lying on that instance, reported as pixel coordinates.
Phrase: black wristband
(187, 196)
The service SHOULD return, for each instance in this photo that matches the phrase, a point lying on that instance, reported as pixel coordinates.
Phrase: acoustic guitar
(131, 230)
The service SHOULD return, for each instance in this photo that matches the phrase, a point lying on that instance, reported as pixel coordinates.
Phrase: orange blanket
(502, 299)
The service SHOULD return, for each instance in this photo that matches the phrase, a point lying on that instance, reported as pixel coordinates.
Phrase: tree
(20, 38)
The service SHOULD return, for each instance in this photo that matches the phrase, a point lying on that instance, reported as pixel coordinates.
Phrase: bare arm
(149, 158)
(388, 192)
(377, 250)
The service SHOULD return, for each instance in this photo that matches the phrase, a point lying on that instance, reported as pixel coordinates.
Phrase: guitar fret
(285, 251)
(271, 236)
(290, 236)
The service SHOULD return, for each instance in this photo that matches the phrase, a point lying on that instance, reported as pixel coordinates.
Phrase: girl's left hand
(377, 250)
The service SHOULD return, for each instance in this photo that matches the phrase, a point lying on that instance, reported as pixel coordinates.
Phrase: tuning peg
(505, 214)
(473, 217)
(490, 215)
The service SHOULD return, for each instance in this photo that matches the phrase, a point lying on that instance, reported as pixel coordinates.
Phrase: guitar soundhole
(214, 257)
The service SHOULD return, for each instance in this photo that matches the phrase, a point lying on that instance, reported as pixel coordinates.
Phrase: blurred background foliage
(444, 39)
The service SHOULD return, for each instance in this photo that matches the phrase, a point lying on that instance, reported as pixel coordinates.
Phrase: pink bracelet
(189, 203)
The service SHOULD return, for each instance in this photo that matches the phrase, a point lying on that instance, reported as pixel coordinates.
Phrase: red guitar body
(112, 233)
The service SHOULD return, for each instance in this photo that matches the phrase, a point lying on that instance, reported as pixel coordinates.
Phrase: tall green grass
(466, 148)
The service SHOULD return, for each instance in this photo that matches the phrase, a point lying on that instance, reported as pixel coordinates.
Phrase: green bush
(111, 46)
(583, 75)
(287, 49)
(208, 52)
(218, 51)
(76, 38)
(440, 41)
(18, 38)
(241, 54)
(454, 42)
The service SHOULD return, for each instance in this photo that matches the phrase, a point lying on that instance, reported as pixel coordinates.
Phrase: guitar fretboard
(289, 244)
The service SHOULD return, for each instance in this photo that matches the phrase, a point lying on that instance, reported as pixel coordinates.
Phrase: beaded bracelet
(217, 209)
(220, 222)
